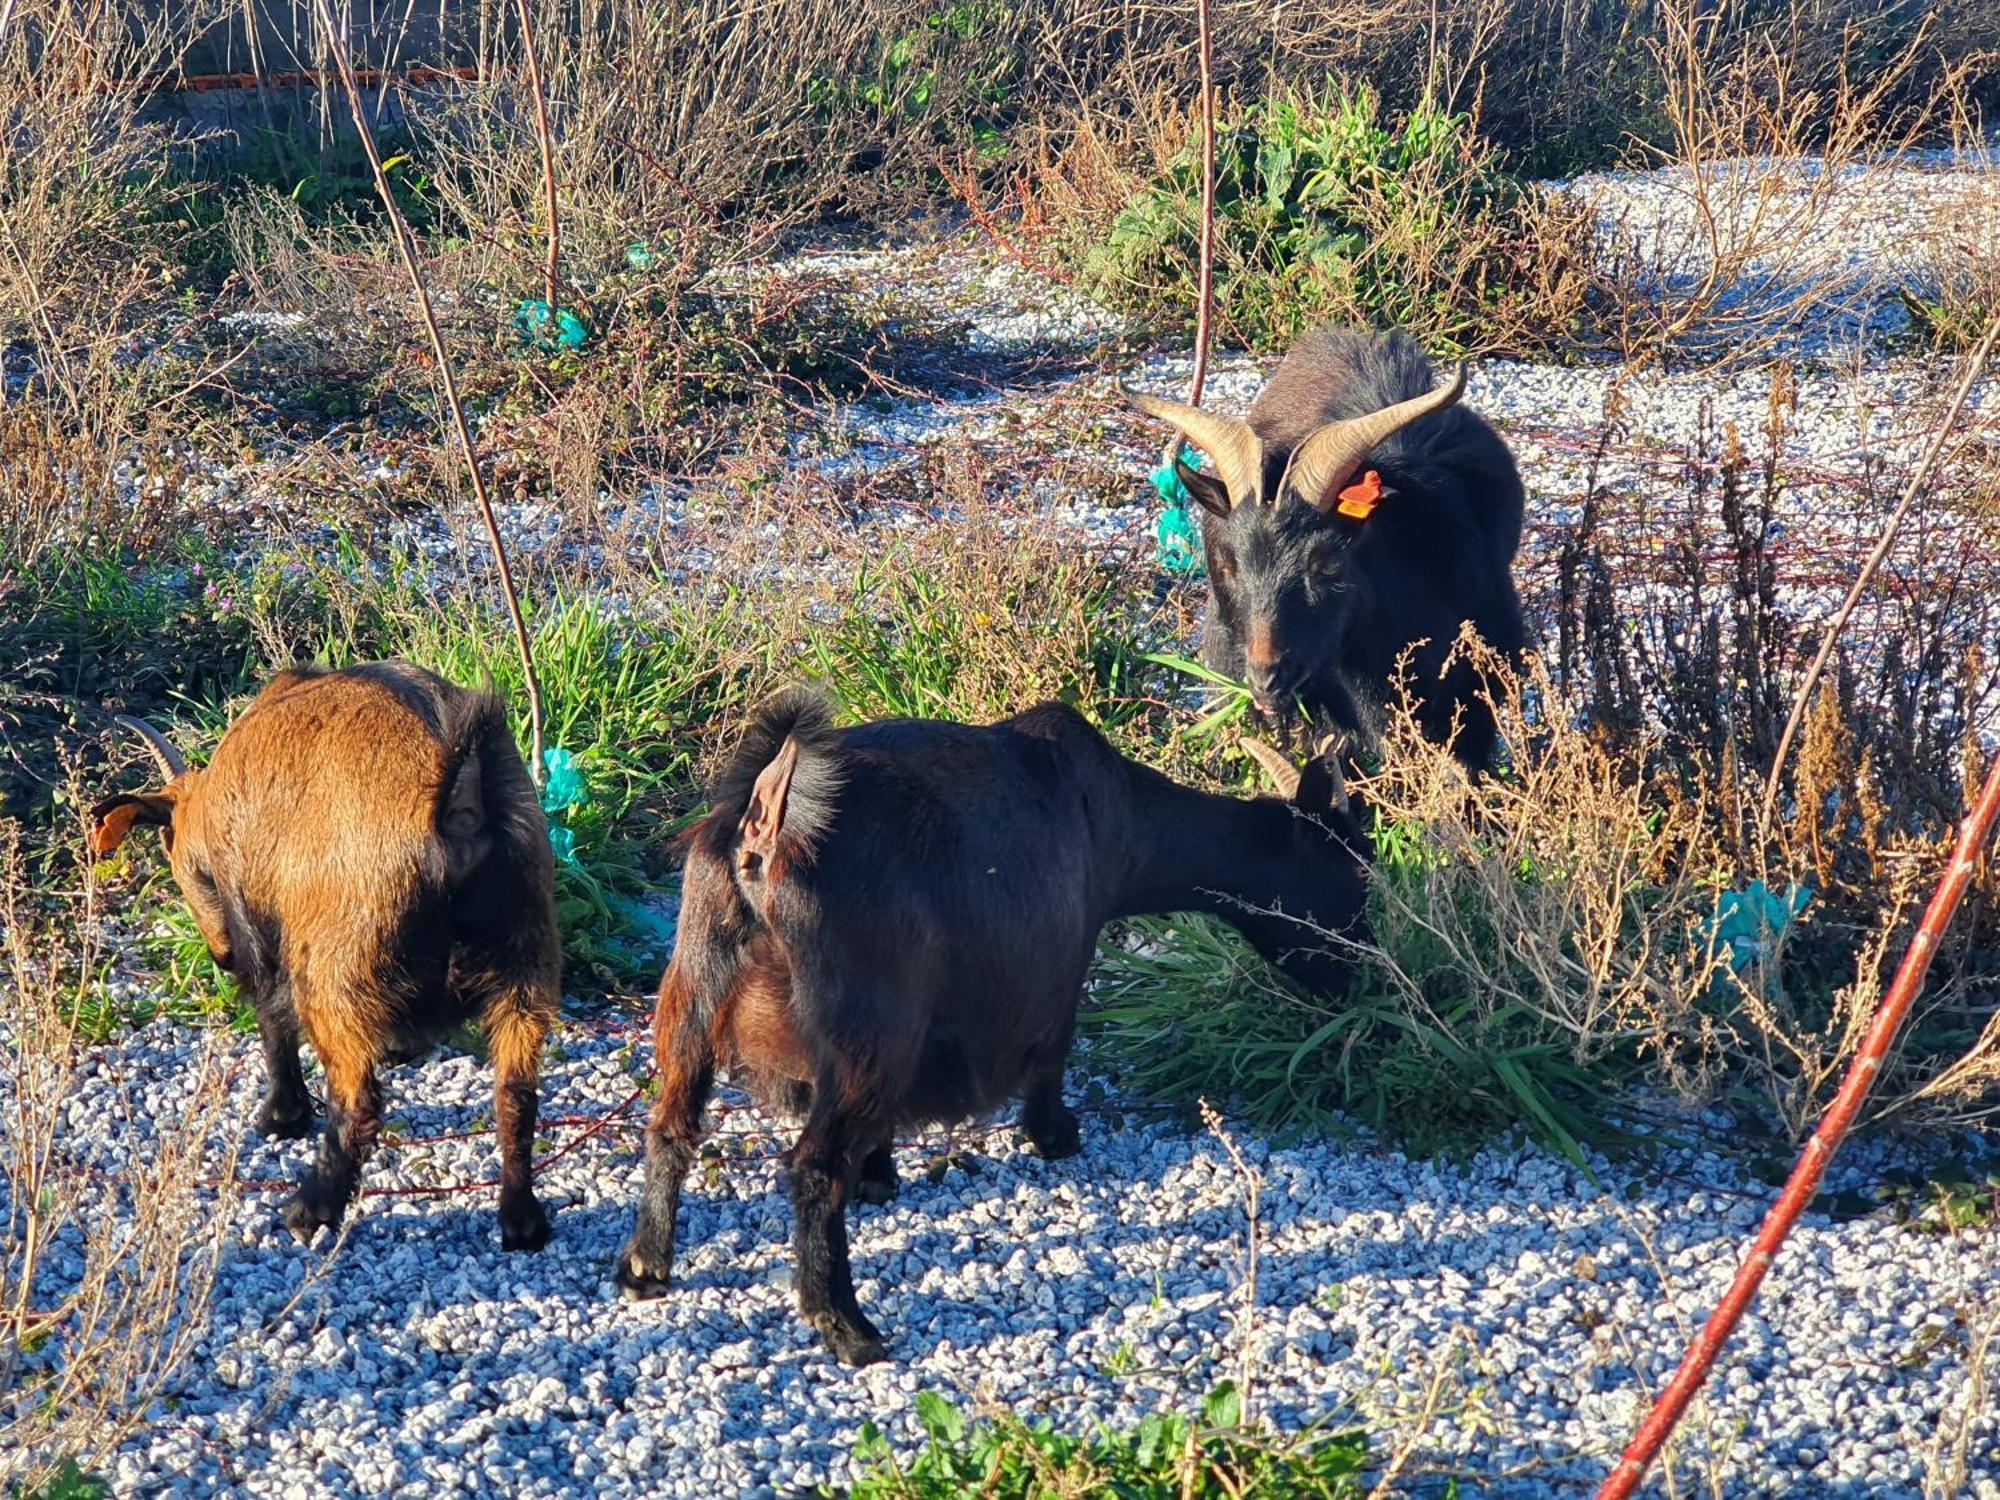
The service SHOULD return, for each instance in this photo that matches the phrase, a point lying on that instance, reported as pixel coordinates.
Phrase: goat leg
(645, 1265)
(877, 1183)
(823, 1165)
(1050, 1124)
(516, 1026)
(354, 1118)
(286, 1113)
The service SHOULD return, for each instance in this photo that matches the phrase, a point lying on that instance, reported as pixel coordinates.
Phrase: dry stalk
(1246, 1320)
(546, 139)
(1947, 1457)
(1975, 364)
(1205, 287)
(85, 1352)
(407, 249)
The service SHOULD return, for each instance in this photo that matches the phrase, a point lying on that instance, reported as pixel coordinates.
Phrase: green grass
(1183, 1009)
(70, 1483)
(1166, 1456)
(1328, 211)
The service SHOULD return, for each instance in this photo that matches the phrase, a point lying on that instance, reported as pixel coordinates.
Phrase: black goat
(891, 924)
(1356, 514)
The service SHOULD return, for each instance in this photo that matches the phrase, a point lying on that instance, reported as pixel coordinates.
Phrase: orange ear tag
(1358, 500)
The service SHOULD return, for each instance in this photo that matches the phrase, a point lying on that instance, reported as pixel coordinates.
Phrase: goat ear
(115, 817)
(764, 819)
(1210, 492)
(1322, 790)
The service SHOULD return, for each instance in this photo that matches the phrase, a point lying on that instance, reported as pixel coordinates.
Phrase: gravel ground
(422, 1360)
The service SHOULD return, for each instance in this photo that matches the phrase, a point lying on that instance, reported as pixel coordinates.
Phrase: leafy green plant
(962, 49)
(1326, 211)
(70, 1483)
(1183, 1009)
(1166, 1456)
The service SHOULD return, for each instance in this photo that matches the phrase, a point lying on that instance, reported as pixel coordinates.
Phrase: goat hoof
(852, 1341)
(877, 1183)
(524, 1224)
(875, 1192)
(640, 1279)
(1056, 1138)
(278, 1124)
(305, 1217)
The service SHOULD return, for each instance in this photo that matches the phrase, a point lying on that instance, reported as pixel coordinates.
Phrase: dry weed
(104, 1280)
(1564, 890)
(1776, 142)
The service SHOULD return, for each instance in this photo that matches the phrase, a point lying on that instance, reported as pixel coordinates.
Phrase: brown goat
(365, 853)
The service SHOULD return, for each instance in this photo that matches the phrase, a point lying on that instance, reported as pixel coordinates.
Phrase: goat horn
(1276, 766)
(1324, 461)
(1235, 450)
(163, 749)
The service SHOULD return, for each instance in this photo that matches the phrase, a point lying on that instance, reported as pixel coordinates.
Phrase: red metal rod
(1812, 1163)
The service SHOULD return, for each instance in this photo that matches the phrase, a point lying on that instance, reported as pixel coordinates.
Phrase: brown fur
(366, 853)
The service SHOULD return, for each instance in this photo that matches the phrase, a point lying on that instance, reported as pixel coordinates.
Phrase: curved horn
(1275, 764)
(163, 748)
(1236, 451)
(1324, 461)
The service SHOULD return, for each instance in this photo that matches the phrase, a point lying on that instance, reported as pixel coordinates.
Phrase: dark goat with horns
(366, 854)
(891, 924)
(1356, 514)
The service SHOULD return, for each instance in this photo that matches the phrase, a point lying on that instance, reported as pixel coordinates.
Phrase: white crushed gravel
(422, 1360)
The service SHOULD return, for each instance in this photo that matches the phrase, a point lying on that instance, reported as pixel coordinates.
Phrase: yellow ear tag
(1358, 500)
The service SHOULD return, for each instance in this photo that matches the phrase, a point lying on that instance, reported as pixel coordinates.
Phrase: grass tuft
(1207, 1456)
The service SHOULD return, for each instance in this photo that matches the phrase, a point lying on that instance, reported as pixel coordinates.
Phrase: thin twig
(1811, 1166)
(548, 144)
(1205, 285)
(1246, 1330)
(1974, 364)
(406, 246)
(1205, 304)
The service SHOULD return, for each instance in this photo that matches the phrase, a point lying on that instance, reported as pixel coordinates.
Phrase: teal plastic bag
(1751, 922)
(563, 786)
(1179, 543)
(565, 331)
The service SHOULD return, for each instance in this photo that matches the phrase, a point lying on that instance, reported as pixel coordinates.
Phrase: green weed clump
(1327, 211)
(1540, 939)
(1166, 1456)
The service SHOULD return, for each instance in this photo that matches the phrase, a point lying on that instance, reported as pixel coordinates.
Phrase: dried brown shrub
(105, 1277)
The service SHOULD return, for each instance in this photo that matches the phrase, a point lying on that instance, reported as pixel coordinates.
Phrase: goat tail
(803, 718)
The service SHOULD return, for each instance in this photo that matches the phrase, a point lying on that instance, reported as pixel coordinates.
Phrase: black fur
(921, 940)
